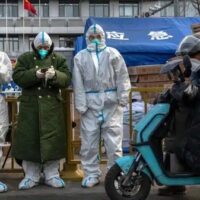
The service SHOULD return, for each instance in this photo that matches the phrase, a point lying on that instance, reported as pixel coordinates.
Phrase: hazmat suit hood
(42, 39)
(95, 29)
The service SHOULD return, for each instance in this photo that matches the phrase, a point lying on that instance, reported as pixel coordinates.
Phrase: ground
(74, 191)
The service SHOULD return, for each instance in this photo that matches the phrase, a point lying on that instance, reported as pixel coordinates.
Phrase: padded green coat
(41, 133)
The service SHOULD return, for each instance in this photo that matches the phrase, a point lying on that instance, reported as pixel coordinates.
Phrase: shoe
(172, 190)
(89, 182)
(27, 183)
(3, 187)
(55, 182)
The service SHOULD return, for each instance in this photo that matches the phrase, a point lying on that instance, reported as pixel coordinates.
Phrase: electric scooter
(131, 177)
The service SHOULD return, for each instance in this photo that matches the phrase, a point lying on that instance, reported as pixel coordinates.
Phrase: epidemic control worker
(5, 77)
(101, 85)
(40, 139)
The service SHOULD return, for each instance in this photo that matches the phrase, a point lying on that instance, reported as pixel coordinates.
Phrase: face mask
(96, 41)
(43, 53)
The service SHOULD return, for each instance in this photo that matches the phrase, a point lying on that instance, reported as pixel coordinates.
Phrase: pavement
(74, 191)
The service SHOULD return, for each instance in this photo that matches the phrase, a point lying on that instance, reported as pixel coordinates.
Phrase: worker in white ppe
(101, 87)
(5, 77)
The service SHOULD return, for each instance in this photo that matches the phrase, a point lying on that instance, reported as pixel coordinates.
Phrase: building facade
(64, 19)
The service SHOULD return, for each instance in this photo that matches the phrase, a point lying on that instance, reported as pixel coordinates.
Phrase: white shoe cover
(26, 184)
(89, 181)
(3, 187)
(55, 182)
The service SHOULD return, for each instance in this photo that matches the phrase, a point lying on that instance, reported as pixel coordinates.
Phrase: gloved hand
(191, 90)
(40, 74)
(50, 73)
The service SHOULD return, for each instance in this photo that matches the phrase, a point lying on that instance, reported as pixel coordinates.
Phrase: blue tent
(143, 41)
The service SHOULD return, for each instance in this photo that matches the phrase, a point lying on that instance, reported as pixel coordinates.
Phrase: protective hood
(42, 38)
(95, 29)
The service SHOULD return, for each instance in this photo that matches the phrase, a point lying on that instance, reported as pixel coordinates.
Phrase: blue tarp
(143, 41)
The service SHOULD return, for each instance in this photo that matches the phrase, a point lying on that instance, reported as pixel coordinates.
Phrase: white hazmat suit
(5, 77)
(101, 86)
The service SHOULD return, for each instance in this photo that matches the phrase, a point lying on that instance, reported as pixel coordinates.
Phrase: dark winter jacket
(41, 133)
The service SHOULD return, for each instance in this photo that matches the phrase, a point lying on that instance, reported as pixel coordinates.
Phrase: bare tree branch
(196, 5)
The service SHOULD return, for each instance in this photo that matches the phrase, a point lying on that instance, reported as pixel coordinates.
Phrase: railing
(71, 168)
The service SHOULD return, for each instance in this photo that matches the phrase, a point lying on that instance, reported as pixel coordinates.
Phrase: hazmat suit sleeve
(5, 68)
(79, 91)
(122, 78)
(22, 75)
(63, 75)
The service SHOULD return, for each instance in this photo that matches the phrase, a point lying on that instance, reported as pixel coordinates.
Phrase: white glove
(191, 90)
(40, 74)
(50, 73)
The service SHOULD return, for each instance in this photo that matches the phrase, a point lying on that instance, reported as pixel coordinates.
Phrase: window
(128, 9)
(69, 10)
(66, 42)
(12, 44)
(99, 10)
(42, 7)
(12, 10)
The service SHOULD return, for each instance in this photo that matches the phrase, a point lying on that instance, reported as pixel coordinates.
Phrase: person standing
(40, 139)
(5, 77)
(101, 87)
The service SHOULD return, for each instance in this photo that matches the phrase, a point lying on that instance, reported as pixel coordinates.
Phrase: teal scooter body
(149, 163)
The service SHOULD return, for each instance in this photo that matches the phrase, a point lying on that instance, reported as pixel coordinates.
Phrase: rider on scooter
(190, 46)
(188, 148)
(181, 114)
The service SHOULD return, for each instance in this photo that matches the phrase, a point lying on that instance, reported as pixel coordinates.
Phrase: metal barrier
(12, 104)
(144, 91)
(71, 168)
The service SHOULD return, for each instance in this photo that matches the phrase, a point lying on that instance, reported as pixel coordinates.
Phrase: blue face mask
(96, 41)
(43, 53)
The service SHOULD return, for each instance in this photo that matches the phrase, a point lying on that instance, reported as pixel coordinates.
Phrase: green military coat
(40, 134)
